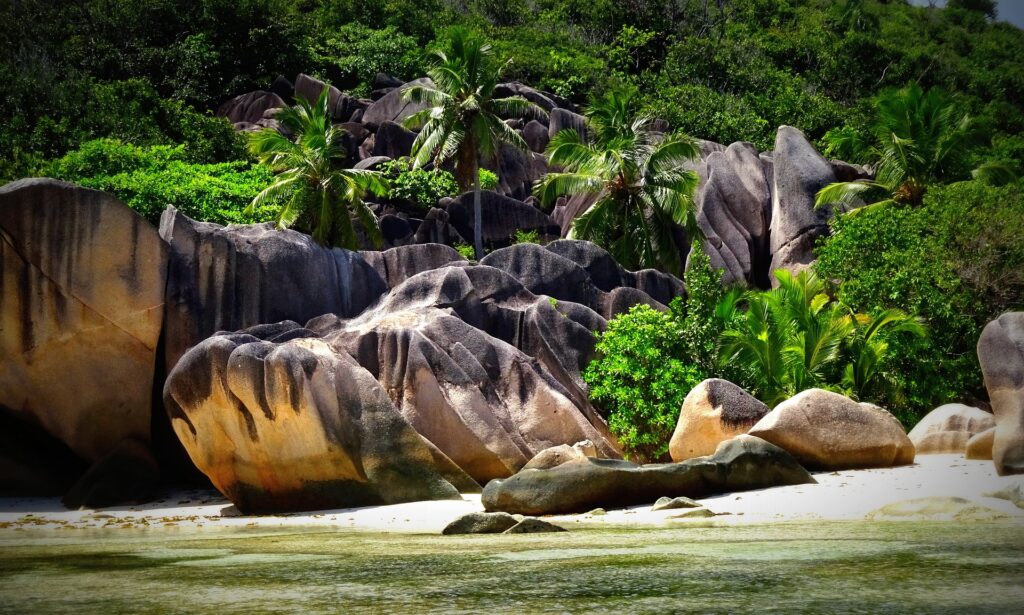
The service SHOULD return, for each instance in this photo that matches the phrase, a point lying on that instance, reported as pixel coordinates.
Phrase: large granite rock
(714, 411)
(393, 141)
(948, 428)
(501, 217)
(393, 107)
(397, 265)
(734, 206)
(740, 464)
(518, 171)
(250, 107)
(230, 278)
(82, 282)
(279, 421)
(1001, 354)
(799, 173)
(826, 430)
(582, 272)
(980, 445)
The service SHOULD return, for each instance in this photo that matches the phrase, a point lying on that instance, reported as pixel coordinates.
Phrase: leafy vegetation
(463, 118)
(149, 178)
(318, 196)
(636, 178)
(956, 262)
(647, 361)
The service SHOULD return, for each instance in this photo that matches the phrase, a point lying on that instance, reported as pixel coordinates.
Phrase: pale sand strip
(847, 495)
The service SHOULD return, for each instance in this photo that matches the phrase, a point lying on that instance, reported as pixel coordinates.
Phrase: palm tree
(319, 195)
(794, 338)
(636, 178)
(463, 119)
(917, 139)
(865, 372)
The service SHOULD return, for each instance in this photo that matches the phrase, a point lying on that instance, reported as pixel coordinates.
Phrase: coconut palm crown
(319, 196)
(635, 177)
(917, 138)
(463, 120)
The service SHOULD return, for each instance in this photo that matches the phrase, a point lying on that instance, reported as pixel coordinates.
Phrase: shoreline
(851, 495)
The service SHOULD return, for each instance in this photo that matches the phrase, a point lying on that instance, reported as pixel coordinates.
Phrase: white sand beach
(838, 496)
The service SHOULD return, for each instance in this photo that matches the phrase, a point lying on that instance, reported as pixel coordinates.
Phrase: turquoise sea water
(784, 568)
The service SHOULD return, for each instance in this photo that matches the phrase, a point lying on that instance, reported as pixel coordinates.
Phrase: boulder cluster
(755, 209)
(297, 377)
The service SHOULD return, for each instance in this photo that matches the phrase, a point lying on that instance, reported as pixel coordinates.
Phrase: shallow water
(784, 568)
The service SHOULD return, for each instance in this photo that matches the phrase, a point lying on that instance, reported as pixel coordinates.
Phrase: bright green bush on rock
(148, 179)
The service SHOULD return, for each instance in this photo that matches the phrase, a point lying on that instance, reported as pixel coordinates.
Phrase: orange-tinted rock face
(81, 306)
(829, 431)
(714, 411)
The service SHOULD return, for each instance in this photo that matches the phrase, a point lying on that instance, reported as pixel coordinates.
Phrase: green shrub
(353, 54)
(522, 236)
(466, 251)
(148, 179)
(488, 180)
(956, 262)
(419, 188)
(640, 377)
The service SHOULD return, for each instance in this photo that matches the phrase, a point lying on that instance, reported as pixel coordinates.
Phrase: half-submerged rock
(740, 464)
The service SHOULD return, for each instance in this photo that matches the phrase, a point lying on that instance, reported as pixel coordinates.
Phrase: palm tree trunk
(478, 227)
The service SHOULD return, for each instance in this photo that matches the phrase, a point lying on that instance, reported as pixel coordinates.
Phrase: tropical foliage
(918, 138)
(463, 119)
(636, 178)
(956, 261)
(795, 337)
(647, 361)
(150, 178)
(317, 195)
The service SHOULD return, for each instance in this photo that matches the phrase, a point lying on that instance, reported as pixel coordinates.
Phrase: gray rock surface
(948, 428)
(393, 107)
(1001, 354)
(250, 107)
(740, 464)
(230, 278)
(534, 526)
(501, 216)
(799, 173)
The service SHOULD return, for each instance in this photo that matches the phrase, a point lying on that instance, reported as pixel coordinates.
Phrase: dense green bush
(148, 179)
(420, 189)
(352, 55)
(640, 378)
(956, 262)
(647, 361)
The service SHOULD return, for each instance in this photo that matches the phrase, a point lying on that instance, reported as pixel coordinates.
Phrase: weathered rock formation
(279, 421)
(501, 217)
(231, 278)
(825, 430)
(980, 445)
(81, 305)
(948, 428)
(1001, 354)
(480, 523)
(714, 411)
(799, 172)
(734, 206)
(250, 107)
(740, 464)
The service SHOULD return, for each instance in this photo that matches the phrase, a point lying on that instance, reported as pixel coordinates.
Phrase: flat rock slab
(481, 523)
(671, 503)
(740, 464)
(534, 526)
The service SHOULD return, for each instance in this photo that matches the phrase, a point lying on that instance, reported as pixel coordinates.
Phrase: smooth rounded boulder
(714, 411)
(948, 428)
(82, 281)
(1001, 354)
(980, 445)
(828, 431)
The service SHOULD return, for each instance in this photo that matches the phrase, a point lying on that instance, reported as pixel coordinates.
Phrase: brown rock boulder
(278, 421)
(948, 428)
(82, 281)
(980, 445)
(714, 411)
(825, 430)
(1001, 354)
